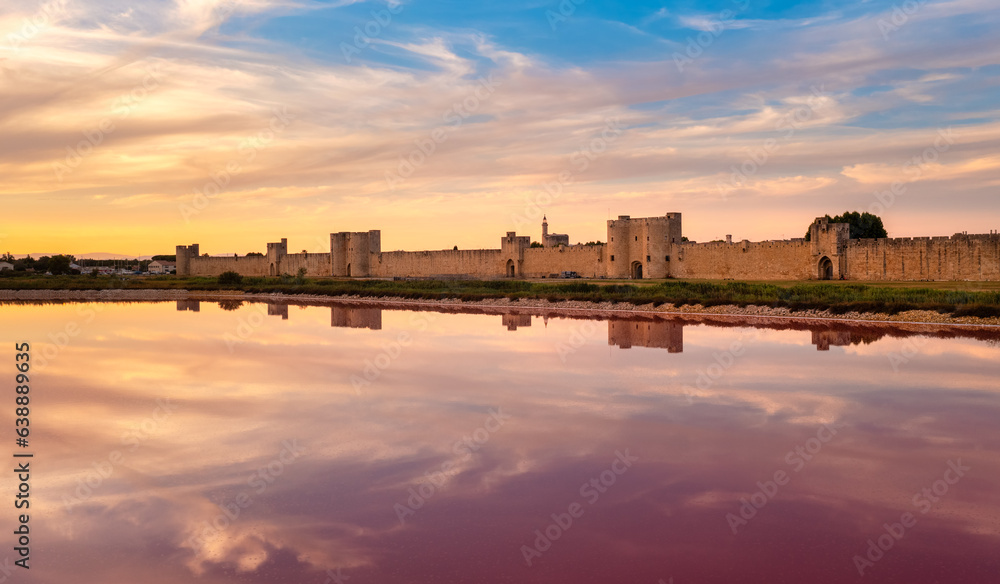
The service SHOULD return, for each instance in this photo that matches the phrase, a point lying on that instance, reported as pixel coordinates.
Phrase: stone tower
(545, 228)
(829, 242)
(512, 248)
(185, 253)
(642, 248)
(351, 252)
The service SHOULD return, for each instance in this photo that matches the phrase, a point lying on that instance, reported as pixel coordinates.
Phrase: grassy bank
(962, 299)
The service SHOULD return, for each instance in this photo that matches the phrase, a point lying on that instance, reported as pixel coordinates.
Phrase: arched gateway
(825, 268)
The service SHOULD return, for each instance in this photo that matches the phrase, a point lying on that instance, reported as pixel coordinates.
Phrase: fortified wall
(789, 259)
(642, 248)
(959, 257)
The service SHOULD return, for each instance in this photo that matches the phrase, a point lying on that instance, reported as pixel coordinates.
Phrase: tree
(255, 254)
(7, 258)
(536, 244)
(863, 225)
(60, 264)
(230, 278)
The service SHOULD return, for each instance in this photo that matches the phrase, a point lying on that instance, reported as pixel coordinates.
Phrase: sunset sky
(131, 127)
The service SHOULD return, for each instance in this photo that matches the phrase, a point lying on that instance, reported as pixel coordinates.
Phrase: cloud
(883, 174)
(212, 102)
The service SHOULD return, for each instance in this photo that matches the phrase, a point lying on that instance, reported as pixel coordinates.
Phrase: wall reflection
(658, 332)
(655, 334)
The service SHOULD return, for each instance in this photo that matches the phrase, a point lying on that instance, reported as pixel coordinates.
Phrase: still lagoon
(224, 441)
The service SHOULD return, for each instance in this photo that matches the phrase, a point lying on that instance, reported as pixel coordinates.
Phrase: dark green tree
(60, 264)
(863, 225)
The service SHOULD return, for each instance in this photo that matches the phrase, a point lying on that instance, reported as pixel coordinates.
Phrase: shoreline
(582, 309)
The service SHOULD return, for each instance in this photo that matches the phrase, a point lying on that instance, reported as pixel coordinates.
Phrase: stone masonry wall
(960, 257)
(474, 263)
(651, 245)
(586, 260)
(316, 264)
(744, 260)
(213, 266)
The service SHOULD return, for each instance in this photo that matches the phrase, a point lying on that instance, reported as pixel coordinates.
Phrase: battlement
(958, 237)
(636, 248)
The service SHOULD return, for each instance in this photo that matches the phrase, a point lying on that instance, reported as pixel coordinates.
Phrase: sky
(132, 127)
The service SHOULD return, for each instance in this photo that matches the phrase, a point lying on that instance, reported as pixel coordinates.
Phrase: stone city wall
(473, 263)
(960, 257)
(744, 260)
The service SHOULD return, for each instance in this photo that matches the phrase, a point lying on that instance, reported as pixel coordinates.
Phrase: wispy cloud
(218, 81)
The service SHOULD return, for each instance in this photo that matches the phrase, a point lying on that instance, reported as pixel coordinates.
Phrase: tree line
(60, 264)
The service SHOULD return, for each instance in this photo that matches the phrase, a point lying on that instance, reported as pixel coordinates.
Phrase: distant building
(162, 267)
(552, 239)
(6, 266)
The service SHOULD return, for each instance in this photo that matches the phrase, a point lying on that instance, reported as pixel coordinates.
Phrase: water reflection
(514, 320)
(658, 334)
(658, 331)
(218, 444)
(354, 317)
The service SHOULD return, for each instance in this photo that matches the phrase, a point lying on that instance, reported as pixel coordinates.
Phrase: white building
(6, 266)
(162, 267)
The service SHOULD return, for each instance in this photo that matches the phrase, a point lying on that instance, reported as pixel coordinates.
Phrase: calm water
(179, 442)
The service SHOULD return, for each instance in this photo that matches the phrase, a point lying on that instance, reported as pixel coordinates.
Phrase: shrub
(230, 279)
